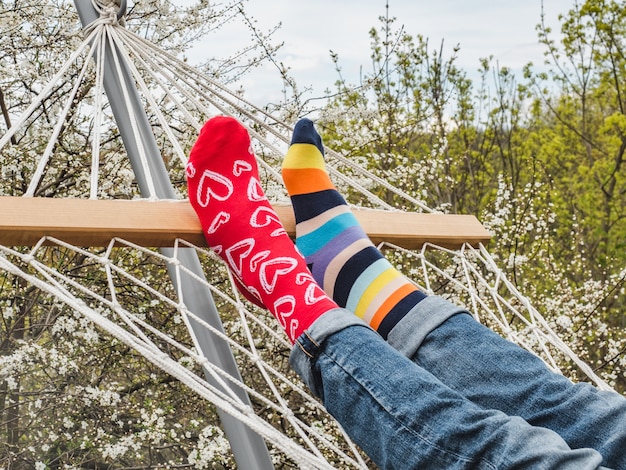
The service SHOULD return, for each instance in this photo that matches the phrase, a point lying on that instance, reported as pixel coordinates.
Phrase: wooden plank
(83, 222)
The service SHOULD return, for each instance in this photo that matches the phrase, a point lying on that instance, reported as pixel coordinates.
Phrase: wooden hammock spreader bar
(88, 222)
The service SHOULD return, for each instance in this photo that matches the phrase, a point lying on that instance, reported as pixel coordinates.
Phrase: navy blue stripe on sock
(398, 312)
(307, 206)
(350, 271)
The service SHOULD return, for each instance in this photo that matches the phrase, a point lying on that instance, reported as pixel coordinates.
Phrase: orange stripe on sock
(393, 299)
(305, 181)
(382, 280)
(383, 295)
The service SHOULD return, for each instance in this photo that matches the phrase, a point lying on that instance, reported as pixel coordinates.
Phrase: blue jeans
(403, 417)
(497, 374)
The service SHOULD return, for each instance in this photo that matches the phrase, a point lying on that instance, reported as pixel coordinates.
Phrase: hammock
(155, 88)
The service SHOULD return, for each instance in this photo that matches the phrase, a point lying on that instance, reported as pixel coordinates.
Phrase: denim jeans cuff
(430, 313)
(305, 349)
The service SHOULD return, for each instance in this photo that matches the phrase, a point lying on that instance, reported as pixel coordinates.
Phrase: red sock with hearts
(241, 226)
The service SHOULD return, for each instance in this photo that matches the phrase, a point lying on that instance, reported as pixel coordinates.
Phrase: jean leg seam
(302, 348)
(306, 333)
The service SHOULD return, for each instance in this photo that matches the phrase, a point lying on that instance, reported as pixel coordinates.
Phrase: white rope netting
(127, 291)
(114, 300)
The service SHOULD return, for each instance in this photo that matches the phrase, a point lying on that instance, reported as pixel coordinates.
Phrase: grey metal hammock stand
(248, 447)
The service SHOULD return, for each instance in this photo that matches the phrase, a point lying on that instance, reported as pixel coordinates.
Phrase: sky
(505, 29)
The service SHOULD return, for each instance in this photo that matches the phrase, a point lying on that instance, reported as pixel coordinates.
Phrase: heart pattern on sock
(221, 218)
(236, 254)
(263, 216)
(272, 270)
(221, 190)
(241, 226)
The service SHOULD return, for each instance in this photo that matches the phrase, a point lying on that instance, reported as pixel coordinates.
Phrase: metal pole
(248, 447)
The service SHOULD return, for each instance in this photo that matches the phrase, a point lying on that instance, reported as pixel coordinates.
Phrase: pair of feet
(334, 265)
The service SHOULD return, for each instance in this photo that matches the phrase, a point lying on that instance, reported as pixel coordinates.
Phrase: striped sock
(341, 257)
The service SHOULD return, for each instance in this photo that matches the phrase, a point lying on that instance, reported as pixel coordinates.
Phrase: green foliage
(539, 161)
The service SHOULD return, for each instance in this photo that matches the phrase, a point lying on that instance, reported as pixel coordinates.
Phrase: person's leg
(397, 412)
(495, 373)
(241, 226)
(470, 358)
(405, 418)
(339, 254)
